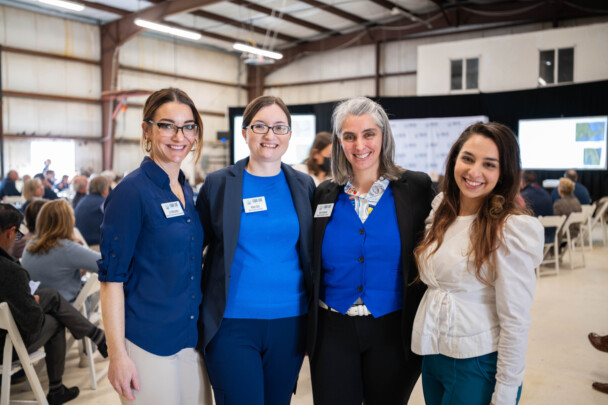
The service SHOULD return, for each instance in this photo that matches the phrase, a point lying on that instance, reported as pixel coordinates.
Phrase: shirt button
(361, 231)
(113, 255)
(192, 296)
(361, 259)
(188, 220)
(116, 238)
(191, 277)
(191, 316)
(191, 257)
(360, 288)
(192, 238)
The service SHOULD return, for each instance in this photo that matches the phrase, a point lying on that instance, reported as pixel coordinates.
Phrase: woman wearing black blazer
(257, 278)
(367, 221)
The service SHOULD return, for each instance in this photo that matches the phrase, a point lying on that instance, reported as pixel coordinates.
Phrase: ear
(244, 132)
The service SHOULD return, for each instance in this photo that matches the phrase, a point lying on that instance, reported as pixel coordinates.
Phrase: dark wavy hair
(486, 230)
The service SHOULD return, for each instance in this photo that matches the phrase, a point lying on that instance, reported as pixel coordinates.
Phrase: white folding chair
(588, 210)
(25, 362)
(596, 219)
(94, 316)
(574, 218)
(551, 221)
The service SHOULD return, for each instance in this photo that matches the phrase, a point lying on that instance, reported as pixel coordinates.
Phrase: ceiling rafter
(336, 11)
(439, 4)
(286, 17)
(389, 5)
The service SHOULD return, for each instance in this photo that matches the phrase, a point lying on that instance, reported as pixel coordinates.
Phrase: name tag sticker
(254, 204)
(172, 209)
(324, 210)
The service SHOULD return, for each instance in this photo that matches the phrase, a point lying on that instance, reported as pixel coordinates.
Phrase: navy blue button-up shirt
(158, 259)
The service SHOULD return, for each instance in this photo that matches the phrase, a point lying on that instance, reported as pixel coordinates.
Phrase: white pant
(180, 379)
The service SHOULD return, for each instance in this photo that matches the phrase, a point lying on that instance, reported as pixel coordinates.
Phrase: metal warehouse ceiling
(298, 27)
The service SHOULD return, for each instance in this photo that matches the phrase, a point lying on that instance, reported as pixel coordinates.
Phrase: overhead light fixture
(257, 51)
(168, 30)
(64, 4)
(412, 17)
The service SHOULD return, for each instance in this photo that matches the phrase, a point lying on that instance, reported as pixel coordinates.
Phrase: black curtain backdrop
(587, 99)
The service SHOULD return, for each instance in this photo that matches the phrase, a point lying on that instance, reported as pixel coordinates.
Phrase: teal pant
(449, 381)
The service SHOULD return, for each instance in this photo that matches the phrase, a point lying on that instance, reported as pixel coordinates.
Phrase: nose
(359, 143)
(177, 133)
(476, 170)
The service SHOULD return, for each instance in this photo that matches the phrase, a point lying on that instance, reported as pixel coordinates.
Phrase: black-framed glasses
(168, 129)
(19, 234)
(263, 129)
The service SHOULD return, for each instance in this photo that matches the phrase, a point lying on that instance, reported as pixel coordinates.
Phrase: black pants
(59, 315)
(361, 359)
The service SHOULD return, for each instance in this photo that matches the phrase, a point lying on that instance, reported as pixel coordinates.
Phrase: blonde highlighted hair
(55, 221)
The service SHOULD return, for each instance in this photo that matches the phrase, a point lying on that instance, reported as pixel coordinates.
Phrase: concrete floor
(561, 364)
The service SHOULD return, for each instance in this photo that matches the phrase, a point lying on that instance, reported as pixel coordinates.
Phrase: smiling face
(170, 149)
(362, 144)
(476, 172)
(269, 147)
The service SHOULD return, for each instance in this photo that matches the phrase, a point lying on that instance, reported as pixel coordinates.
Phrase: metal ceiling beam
(286, 17)
(439, 4)
(336, 11)
(103, 7)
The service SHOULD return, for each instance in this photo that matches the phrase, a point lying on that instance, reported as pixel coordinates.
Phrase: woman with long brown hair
(151, 242)
(477, 259)
(54, 257)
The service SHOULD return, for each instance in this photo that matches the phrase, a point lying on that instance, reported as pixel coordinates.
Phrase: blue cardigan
(219, 206)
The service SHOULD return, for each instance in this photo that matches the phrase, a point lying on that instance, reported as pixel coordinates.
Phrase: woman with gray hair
(367, 221)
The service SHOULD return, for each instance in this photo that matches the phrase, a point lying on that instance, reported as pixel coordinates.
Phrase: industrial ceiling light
(168, 30)
(257, 51)
(64, 4)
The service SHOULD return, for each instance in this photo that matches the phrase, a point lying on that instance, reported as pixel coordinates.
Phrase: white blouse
(461, 318)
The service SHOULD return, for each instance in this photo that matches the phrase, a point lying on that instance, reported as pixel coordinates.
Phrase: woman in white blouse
(477, 259)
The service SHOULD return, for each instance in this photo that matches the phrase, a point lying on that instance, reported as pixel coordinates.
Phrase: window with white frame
(464, 74)
(556, 66)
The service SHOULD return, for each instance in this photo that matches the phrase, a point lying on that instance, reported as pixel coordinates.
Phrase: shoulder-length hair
(260, 102)
(486, 230)
(340, 166)
(55, 221)
(29, 188)
(171, 94)
(322, 140)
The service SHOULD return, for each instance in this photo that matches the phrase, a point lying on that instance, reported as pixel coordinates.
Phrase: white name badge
(324, 210)
(172, 209)
(254, 204)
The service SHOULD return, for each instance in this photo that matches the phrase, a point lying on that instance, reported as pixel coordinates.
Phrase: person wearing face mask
(150, 270)
(318, 163)
(257, 219)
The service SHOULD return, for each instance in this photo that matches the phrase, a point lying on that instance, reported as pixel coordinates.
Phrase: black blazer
(219, 206)
(413, 195)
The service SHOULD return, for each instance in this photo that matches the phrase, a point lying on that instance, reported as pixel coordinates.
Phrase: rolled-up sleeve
(122, 223)
(516, 260)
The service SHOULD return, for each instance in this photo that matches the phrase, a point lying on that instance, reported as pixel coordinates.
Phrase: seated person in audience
(80, 187)
(49, 194)
(318, 163)
(31, 212)
(41, 318)
(567, 204)
(63, 184)
(89, 212)
(537, 199)
(580, 191)
(53, 257)
(7, 186)
(32, 190)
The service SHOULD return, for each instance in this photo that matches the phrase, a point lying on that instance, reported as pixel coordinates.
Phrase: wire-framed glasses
(168, 129)
(263, 129)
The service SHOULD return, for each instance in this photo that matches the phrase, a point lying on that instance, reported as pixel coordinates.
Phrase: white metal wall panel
(34, 74)
(320, 93)
(511, 62)
(127, 157)
(57, 118)
(169, 57)
(351, 62)
(17, 156)
(398, 86)
(88, 156)
(39, 32)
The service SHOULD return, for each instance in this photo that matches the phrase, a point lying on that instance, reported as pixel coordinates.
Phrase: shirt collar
(5, 254)
(157, 174)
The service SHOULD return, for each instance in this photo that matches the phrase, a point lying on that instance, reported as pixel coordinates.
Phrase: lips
(362, 156)
(177, 147)
(472, 184)
(269, 145)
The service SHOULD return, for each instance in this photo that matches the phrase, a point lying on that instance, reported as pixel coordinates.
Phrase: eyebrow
(464, 152)
(170, 120)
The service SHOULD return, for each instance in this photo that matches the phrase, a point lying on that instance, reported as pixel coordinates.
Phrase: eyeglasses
(19, 234)
(263, 129)
(167, 129)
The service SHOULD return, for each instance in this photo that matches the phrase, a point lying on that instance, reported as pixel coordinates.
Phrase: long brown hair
(486, 230)
(322, 140)
(55, 222)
